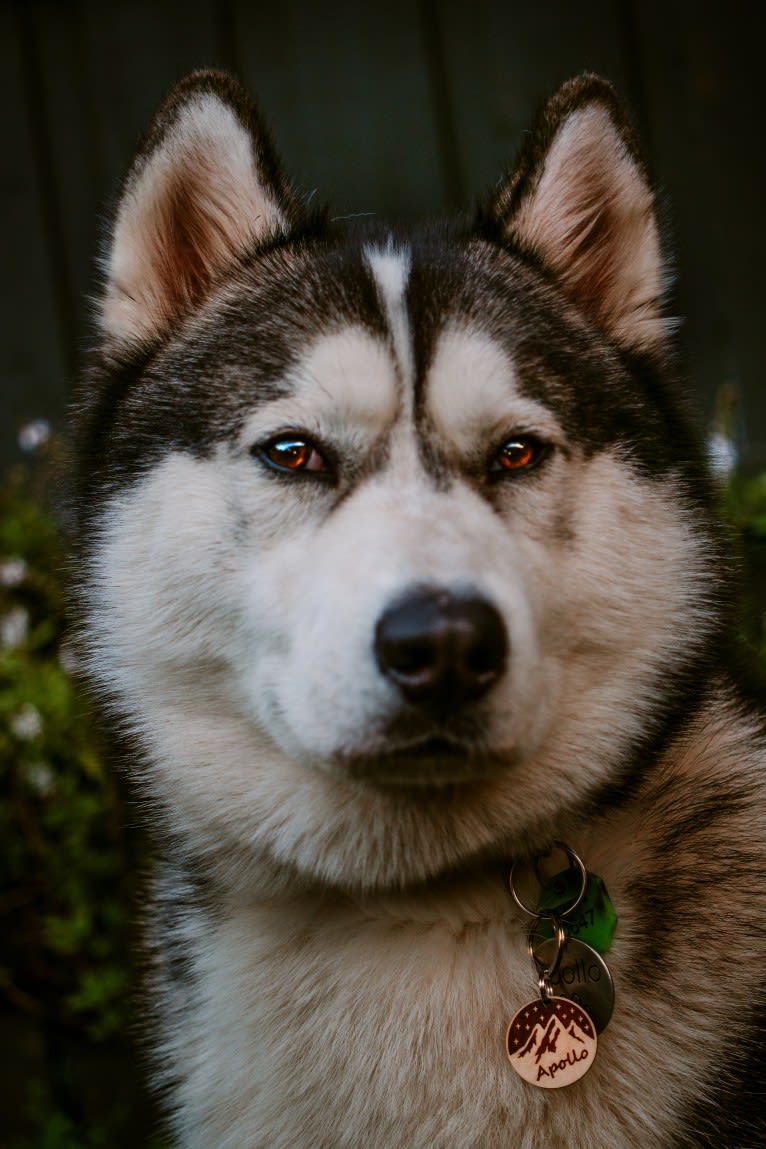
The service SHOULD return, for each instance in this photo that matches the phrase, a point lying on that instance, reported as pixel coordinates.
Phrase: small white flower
(722, 454)
(41, 778)
(14, 627)
(34, 435)
(27, 723)
(13, 571)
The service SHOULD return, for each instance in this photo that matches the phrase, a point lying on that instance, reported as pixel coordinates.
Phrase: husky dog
(398, 562)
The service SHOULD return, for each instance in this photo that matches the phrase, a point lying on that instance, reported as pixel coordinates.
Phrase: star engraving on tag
(551, 1044)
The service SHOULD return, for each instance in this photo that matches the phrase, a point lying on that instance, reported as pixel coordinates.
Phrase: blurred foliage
(68, 866)
(745, 505)
(70, 859)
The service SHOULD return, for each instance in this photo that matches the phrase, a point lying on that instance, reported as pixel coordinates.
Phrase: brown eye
(291, 454)
(518, 454)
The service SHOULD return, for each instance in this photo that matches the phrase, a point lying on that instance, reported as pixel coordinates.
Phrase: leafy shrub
(70, 861)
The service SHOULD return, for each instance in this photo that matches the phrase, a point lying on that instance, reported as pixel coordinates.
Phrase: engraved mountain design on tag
(551, 1044)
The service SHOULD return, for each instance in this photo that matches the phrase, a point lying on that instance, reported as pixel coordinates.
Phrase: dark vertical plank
(347, 91)
(103, 69)
(701, 64)
(34, 362)
(502, 60)
(135, 50)
(75, 164)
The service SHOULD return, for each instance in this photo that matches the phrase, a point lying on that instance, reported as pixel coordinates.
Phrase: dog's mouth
(435, 761)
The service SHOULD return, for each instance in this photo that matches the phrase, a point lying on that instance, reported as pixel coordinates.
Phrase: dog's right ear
(204, 188)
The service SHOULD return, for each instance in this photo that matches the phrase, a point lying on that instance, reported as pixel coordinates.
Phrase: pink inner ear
(193, 205)
(191, 244)
(588, 247)
(590, 216)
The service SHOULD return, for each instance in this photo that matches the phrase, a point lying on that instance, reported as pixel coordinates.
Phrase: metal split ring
(561, 911)
(544, 988)
(559, 933)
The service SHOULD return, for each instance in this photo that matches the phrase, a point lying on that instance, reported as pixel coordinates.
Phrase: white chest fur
(338, 1025)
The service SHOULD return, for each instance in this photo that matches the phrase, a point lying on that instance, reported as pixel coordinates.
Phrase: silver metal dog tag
(581, 976)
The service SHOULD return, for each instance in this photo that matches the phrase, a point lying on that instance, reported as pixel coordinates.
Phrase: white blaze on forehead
(390, 267)
(472, 392)
(344, 385)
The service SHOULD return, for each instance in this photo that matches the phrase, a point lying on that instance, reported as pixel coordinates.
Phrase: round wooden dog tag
(551, 1044)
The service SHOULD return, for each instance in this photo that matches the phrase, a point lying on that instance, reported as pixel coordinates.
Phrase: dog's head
(394, 550)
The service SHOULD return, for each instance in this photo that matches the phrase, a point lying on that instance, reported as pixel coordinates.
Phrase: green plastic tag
(593, 921)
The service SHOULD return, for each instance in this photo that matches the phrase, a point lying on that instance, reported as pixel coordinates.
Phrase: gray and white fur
(397, 560)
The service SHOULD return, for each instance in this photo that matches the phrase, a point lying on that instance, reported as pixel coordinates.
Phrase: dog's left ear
(580, 202)
(205, 188)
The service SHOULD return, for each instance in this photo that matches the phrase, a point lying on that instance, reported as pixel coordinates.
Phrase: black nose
(441, 649)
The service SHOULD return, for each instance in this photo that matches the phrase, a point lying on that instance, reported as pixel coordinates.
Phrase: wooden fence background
(403, 109)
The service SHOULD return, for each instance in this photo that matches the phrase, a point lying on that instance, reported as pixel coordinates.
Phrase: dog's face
(390, 550)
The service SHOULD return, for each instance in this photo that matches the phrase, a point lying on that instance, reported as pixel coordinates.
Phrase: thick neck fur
(385, 1003)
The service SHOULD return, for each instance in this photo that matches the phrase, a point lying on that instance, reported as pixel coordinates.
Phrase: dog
(397, 563)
